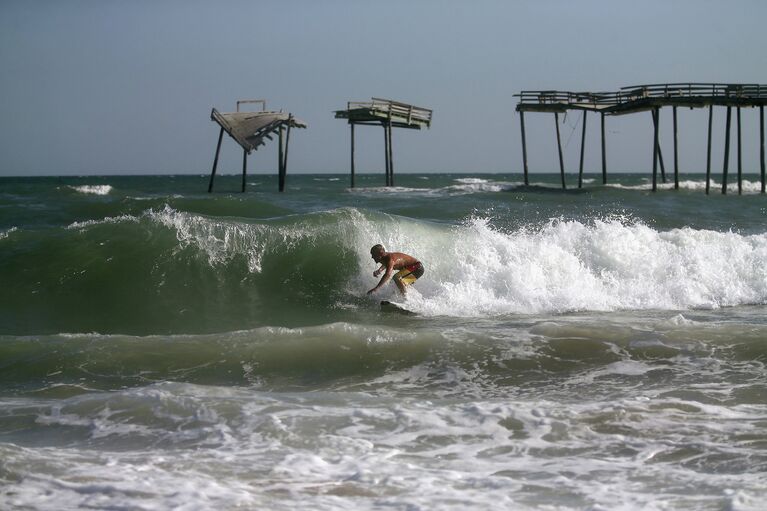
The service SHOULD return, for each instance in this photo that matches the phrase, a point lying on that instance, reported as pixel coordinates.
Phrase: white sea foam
(464, 186)
(202, 447)
(7, 232)
(476, 270)
(749, 187)
(220, 239)
(467, 186)
(106, 220)
(372, 190)
(93, 189)
(470, 180)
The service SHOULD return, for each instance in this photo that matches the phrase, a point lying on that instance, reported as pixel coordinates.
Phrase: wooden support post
(351, 124)
(391, 157)
(726, 165)
(676, 154)
(215, 160)
(708, 158)
(740, 157)
(604, 152)
(281, 160)
(524, 147)
(285, 159)
(583, 148)
(559, 148)
(656, 122)
(655, 151)
(244, 167)
(761, 137)
(386, 152)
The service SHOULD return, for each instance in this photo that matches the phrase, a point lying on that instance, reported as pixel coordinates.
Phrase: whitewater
(162, 348)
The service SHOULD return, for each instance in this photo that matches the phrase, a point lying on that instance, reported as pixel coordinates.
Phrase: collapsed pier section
(251, 130)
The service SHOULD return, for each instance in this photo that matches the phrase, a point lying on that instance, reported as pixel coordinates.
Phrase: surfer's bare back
(409, 268)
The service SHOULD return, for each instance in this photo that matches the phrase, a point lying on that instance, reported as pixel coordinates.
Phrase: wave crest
(93, 189)
(570, 266)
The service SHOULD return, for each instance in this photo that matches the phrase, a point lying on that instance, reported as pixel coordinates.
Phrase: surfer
(410, 268)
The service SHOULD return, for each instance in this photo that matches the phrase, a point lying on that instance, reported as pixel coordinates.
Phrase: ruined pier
(644, 98)
(251, 130)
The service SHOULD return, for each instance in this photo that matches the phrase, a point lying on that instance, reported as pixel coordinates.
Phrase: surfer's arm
(386, 276)
(379, 270)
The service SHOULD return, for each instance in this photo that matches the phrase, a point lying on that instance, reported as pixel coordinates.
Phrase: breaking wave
(185, 270)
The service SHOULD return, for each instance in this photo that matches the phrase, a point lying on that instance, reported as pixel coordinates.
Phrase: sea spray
(476, 270)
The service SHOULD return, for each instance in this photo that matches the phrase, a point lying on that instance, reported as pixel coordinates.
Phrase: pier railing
(668, 92)
(553, 97)
(393, 109)
(709, 90)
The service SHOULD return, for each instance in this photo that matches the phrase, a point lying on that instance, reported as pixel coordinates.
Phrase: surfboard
(387, 306)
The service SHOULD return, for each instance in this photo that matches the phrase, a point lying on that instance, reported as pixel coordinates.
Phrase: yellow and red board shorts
(410, 274)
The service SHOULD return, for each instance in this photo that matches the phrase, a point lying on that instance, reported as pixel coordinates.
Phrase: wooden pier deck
(388, 114)
(644, 98)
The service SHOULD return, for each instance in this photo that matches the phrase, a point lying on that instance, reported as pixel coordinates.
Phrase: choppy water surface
(601, 348)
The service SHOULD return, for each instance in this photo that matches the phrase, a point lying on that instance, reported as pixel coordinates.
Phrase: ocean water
(163, 348)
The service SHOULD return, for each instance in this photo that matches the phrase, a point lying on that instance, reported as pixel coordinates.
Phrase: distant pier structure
(388, 114)
(651, 98)
(250, 129)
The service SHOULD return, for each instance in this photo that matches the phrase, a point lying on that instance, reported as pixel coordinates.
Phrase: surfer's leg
(400, 284)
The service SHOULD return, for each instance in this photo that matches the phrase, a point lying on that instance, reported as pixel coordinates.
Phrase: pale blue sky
(108, 86)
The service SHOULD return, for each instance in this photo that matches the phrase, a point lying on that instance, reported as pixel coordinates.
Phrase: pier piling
(676, 153)
(215, 160)
(604, 153)
(244, 167)
(351, 125)
(656, 124)
(708, 153)
(391, 156)
(559, 148)
(285, 161)
(655, 150)
(726, 164)
(524, 147)
(386, 156)
(761, 145)
(282, 159)
(740, 157)
(583, 148)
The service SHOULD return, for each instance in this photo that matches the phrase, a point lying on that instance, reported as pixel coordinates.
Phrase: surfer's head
(377, 252)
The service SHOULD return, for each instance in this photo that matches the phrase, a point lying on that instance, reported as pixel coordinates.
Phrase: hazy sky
(108, 86)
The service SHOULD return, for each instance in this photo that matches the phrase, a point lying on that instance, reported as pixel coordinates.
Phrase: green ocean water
(595, 348)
